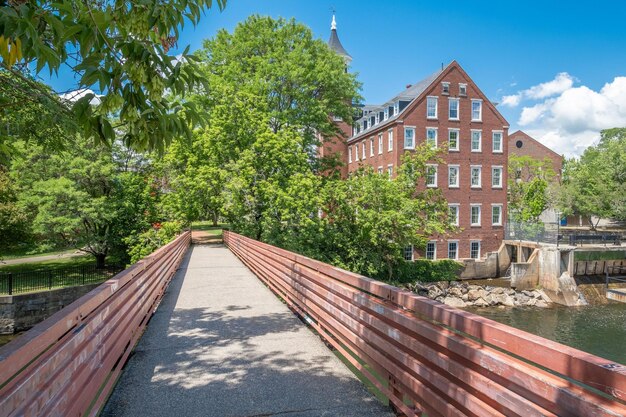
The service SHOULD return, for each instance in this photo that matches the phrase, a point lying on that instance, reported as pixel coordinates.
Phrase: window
(453, 109)
(356, 152)
(431, 175)
(431, 137)
(462, 89)
(396, 107)
(496, 215)
(475, 249)
(475, 176)
(380, 143)
(453, 214)
(390, 170)
(349, 154)
(496, 177)
(453, 176)
(408, 253)
(364, 155)
(453, 250)
(497, 142)
(365, 124)
(475, 215)
(376, 119)
(445, 88)
(453, 139)
(386, 116)
(409, 138)
(431, 250)
(476, 140)
(380, 170)
(372, 147)
(477, 110)
(431, 107)
(390, 140)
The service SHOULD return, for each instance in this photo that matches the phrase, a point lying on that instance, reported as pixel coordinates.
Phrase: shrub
(147, 242)
(425, 270)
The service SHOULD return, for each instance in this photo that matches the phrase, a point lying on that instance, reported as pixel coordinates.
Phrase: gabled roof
(517, 134)
(413, 92)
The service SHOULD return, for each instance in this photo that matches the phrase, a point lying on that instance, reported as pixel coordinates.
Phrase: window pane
(476, 136)
(474, 250)
(452, 250)
(453, 139)
(430, 250)
(431, 137)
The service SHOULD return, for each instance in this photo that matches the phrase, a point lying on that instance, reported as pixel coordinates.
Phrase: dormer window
(396, 107)
(390, 110)
(463, 89)
(365, 124)
(377, 120)
(445, 88)
(386, 114)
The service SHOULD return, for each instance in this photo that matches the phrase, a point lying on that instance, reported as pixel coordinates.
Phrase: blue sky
(567, 51)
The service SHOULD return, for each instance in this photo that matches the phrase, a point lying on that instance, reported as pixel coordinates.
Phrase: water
(597, 329)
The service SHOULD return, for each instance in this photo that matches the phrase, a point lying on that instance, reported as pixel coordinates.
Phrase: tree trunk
(215, 219)
(100, 257)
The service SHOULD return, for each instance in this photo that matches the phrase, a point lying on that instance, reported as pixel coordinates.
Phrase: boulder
(454, 302)
(498, 290)
(541, 304)
(508, 301)
(480, 303)
(455, 292)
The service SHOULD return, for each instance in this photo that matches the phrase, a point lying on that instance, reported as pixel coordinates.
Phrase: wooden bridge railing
(68, 364)
(428, 357)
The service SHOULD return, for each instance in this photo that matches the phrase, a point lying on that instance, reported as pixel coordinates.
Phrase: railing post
(50, 279)
(10, 283)
(82, 270)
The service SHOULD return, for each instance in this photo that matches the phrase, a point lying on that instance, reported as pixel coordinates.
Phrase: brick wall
(522, 144)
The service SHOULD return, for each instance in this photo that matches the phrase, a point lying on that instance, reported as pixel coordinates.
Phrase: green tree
(595, 184)
(13, 221)
(118, 48)
(532, 186)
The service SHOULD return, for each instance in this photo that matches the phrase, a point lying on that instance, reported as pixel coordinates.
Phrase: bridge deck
(221, 344)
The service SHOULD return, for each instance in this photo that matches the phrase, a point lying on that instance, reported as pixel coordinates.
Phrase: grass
(208, 227)
(599, 255)
(28, 252)
(50, 264)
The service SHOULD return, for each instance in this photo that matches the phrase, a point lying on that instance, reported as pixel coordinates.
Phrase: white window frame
(493, 142)
(404, 251)
(396, 107)
(349, 154)
(479, 249)
(428, 166)
(458, 108)
(436, 130)
(364, 153)
(480, 110)
(434, 243)
(480, 176)
(472, 207)
(390, 140)
(458, 175)
(386, 113)
(372, 146)
(376, 118)
(480, 140)
(500, 207)
(463, 93)
(356, 152)
(445, 87)
(428, 100)
(390, 170)
(458, 139)
(456, 252)
(494, 169)
(458, 210)
(380, 169)
(380, 143)
(411, 129)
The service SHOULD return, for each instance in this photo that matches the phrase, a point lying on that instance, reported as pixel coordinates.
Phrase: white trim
(434, 242)
(493, 133)
(356, 152)
(445, 84)
(436, 130)
(458, 138)
(380, 169)
(479, 248)
(501, 168)
(412, 253)
(458, 213)
(390, 170)
(364, 153)
(436, 166)
(465, 93)
(457, 249)
(390, 140)
(480, 140)
(480, 118)
(436, 107)
(458, 108)
(349, 154)
(411, 128)
(480, 176)
(472, 206)
(380, 143)
(458, 176)
(372, 146)
(501, 206)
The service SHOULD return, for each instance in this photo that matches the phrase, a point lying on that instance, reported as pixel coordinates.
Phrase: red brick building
(446, 109)
(521, 144)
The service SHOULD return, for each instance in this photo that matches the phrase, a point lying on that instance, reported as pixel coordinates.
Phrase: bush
(425, 270)
(147, 242)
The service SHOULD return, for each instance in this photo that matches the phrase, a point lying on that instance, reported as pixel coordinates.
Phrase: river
(597, 329)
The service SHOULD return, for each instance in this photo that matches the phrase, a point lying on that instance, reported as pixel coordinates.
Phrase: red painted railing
(68, 364)
(428, 357)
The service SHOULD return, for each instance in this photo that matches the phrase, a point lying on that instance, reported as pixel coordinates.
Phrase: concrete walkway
(222, 344)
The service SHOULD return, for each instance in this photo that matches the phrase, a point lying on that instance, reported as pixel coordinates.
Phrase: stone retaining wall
(22, 311)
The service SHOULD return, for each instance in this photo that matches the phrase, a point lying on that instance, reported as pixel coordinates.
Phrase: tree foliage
(532, 186)
(595, 184)
(118, 48)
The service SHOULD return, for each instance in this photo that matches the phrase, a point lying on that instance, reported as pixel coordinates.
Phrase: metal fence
(47, 279)
(533, 232)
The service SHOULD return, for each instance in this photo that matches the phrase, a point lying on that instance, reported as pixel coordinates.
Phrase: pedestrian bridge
(248, 329)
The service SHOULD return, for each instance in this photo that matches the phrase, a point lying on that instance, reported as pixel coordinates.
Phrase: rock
(510, 291)
(464, 297)
(541, 304)
(544, 297)
(527, 293)
(480, 303)
(440, 299)
(509, 301)
(474, 295)
(444, 285)
(473, 287)
(499, 298)
(434, 292)
(522, 299)
(454, 302)
(531, 302)
(455, 292)
(498, 290)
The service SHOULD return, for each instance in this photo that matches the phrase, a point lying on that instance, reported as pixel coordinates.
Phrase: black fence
(47, 279)
(533, 232)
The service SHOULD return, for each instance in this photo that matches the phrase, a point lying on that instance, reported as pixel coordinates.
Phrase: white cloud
(572, 121)
(77, 94)
(562, 82)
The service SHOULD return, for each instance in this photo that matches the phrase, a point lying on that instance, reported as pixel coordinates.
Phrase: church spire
(335, 44)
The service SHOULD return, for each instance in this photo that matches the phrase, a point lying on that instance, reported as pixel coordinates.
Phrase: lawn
(50, 264)
(208, 227)
(28, 252)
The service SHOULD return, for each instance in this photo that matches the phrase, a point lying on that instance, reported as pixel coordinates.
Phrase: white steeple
(333, 25)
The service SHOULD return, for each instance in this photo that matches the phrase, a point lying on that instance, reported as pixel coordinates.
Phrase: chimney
(409, 86)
